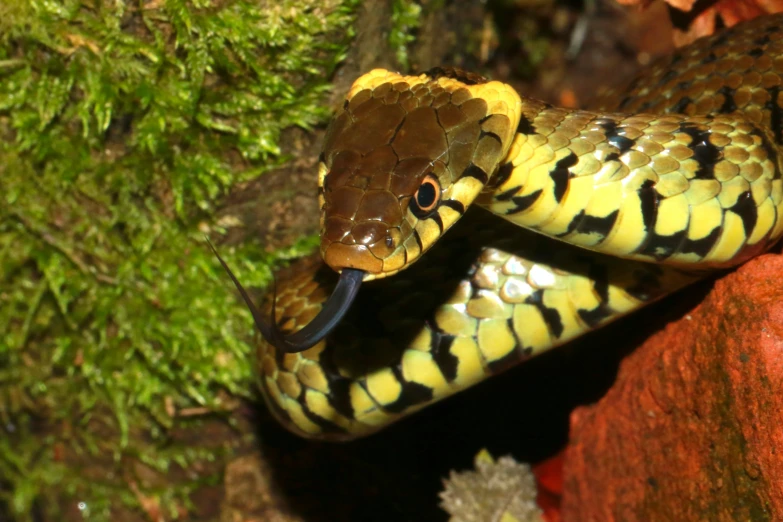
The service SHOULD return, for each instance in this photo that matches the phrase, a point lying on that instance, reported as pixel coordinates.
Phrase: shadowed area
(396, 474)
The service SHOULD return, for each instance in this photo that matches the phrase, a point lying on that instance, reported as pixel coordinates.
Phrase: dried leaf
(730, 12)
(502, 491)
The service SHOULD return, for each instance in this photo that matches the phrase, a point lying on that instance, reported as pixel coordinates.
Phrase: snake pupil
(427, 197)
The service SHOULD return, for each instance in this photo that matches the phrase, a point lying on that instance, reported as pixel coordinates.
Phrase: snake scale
(602, 213)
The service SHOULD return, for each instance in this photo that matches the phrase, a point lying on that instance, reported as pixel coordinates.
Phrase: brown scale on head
(403, 159)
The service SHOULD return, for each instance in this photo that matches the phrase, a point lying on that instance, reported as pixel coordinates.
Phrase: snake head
(402, 161)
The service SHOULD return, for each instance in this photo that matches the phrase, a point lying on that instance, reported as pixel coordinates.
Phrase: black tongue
(330, 315)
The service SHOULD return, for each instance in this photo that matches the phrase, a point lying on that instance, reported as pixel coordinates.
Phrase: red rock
(692, 429)
(549, 481)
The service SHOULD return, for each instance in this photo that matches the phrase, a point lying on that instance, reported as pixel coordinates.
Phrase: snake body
(604, 212)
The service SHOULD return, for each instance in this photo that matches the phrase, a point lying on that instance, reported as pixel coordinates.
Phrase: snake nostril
(389, 241)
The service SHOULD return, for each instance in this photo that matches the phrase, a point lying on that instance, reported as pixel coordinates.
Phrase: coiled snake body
(681, 174)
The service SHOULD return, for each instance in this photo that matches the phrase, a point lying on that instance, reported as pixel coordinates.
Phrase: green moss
(406, 18)
(122, 123)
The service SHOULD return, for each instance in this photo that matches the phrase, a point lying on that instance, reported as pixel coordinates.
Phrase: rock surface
(692, 429)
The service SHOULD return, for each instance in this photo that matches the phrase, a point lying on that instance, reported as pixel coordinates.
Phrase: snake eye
(426, 198)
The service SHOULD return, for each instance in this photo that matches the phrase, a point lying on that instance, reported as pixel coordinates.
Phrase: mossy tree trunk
(122, 124)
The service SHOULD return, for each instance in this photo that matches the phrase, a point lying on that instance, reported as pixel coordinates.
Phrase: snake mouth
(330, 315)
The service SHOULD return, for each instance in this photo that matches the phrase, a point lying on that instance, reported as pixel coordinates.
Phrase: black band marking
(326, 425)
(705, 153)
(339, 389)
(701, 247)
(551, 315)
(681, 105)
(613, 137)
(729, 105)
(417, 237)
(437, 219)
(597, 225)
(649, 198)
(600, 276)
(560, 175)
(506, 195)
(587, 224)
(455, 205)
(489, 134)
(412, 393)
(775, 115)
(662, 247)
(746, 209)
(474, 171)
(595, 316)
(509, 360)
(503, 173)
(525, 126)
(522, 203)
(447, 362)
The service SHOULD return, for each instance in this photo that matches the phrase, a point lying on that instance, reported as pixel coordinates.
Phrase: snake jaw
(340, 256)
(322, 324)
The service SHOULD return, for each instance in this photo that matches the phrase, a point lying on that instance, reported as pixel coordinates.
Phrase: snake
(466, 228)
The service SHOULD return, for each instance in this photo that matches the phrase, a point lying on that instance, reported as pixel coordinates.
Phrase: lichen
(121, 126)
(502, 490)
